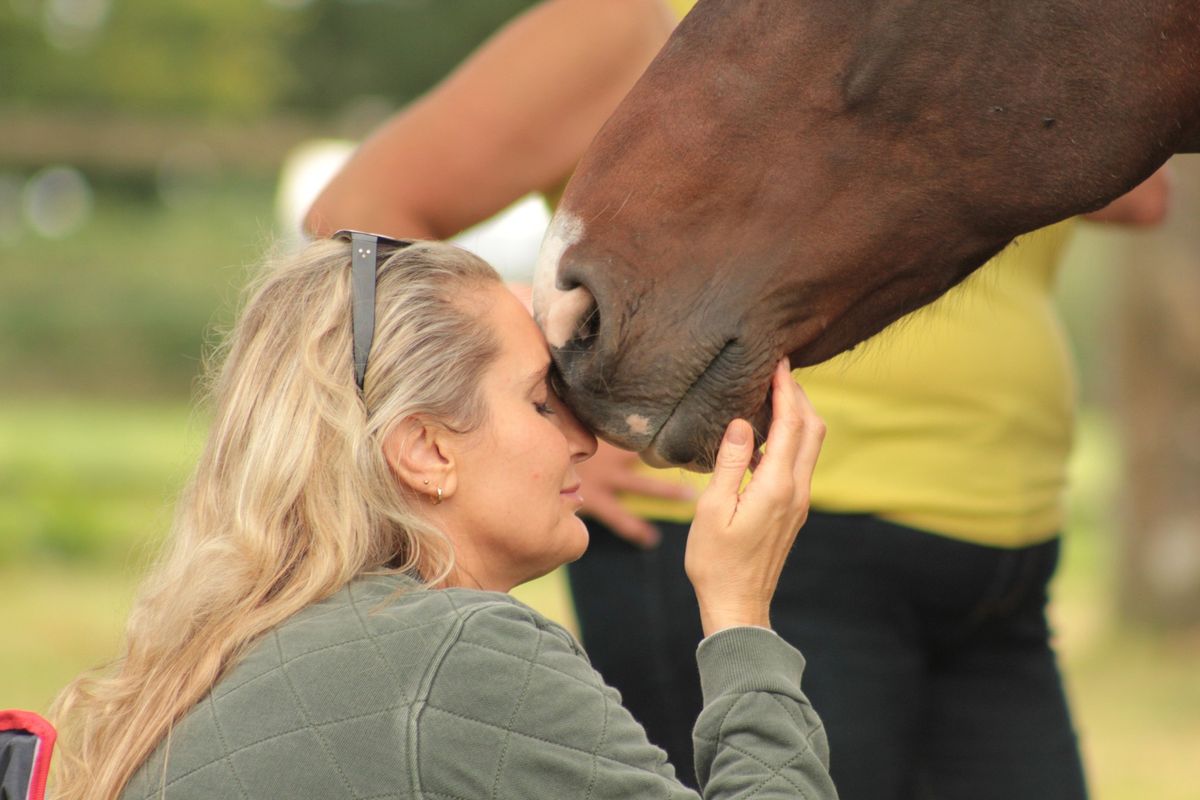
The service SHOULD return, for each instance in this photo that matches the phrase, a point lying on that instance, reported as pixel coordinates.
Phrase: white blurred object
(509, 241)
(74, 24)
(306, 170)
(58, 201)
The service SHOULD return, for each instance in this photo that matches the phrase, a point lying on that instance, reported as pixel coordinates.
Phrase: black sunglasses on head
(364, 260)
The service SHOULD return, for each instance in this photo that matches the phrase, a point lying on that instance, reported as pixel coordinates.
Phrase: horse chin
(691, 436)
(693, 451)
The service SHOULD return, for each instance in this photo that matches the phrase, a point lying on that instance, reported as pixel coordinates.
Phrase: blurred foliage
(233, 58)
(392, 49)
(121, 307)
(194, 57)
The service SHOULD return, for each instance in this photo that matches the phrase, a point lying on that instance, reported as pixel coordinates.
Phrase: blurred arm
(1143, 205)
(514, 118)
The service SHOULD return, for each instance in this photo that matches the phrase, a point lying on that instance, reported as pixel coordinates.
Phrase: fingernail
(736, 434)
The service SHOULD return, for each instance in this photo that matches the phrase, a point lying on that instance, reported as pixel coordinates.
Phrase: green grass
(59, 620)
(1137, 707)
(1135, 696)
(85, 496)
(88, 482)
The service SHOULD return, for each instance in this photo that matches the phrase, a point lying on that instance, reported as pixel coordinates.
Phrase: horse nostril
(589, 327)
(567, 315)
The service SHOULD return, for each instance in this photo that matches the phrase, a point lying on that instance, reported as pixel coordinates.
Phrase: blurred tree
(186, 57)
(240, 59)
(390, 49)
(394, 49)
(1159, 371)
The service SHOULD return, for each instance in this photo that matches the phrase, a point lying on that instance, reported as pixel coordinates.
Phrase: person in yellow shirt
(917, 590)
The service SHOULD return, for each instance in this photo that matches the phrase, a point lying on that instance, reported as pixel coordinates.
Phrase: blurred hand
(1144, 205)
(612, 471)
(739, 541)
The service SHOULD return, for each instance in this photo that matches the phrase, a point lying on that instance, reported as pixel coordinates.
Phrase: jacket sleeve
(513, 709)
(757, 735)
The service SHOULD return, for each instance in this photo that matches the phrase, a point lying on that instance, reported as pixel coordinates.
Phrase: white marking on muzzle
(557, 311)
(638, 425)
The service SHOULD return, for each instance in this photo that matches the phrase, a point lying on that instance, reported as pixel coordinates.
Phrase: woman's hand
(739, 541)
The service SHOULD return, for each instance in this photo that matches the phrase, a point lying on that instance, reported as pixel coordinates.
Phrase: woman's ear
(418, 454)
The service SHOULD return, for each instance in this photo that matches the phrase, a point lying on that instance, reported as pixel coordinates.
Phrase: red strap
(12, 720)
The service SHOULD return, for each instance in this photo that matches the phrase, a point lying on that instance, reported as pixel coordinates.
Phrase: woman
(330, 620)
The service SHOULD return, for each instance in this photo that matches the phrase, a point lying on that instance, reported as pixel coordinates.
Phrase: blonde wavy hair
(292, 496)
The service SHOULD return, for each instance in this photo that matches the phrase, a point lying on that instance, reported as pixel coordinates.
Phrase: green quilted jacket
(457, 695)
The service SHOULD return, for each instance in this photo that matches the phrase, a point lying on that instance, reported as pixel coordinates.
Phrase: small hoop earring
(438, 497)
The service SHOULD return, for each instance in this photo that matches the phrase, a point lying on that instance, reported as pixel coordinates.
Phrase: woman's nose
(581, 440)
(586, 445)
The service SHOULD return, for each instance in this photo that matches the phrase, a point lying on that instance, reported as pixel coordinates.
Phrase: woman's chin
(571, 541)
(578, 542)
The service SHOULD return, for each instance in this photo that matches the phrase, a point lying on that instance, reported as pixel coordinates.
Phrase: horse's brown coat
(789, 177)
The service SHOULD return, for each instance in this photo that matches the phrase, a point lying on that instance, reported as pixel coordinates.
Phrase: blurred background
(150, 152)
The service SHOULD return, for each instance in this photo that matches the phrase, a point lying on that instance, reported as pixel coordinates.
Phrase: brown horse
(791, 176)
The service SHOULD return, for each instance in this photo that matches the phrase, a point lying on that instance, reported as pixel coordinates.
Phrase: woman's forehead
(522, 342)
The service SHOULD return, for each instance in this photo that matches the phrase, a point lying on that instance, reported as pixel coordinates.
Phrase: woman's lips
(572, 493)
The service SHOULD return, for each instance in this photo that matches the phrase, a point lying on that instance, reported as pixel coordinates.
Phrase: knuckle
(779, 492)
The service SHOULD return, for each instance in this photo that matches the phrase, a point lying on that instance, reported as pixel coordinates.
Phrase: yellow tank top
(956, 420)
(681, 7)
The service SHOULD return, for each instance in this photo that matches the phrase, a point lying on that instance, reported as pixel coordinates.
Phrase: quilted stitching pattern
(449, 695)
(530, 711)
(313, 709)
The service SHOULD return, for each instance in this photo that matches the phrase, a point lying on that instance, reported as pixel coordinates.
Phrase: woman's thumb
(733, 457)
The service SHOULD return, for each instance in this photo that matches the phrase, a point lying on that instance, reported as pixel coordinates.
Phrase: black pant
(928, 658)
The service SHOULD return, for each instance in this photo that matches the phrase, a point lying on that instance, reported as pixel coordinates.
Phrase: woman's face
(512, 515)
